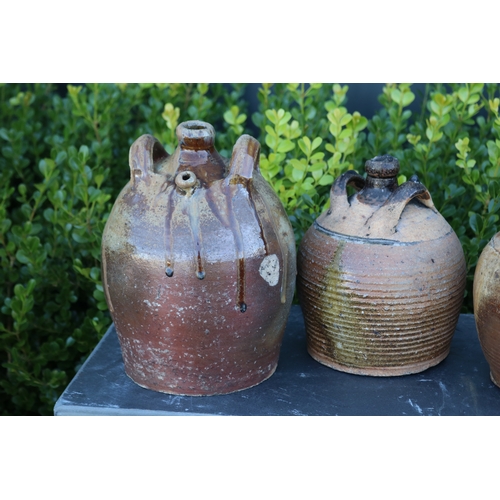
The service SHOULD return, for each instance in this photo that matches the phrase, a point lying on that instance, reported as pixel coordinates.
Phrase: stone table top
(459, 385)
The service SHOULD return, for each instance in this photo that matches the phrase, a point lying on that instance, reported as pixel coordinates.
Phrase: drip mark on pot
(200, 273)
(241, 285)
(229, 221)
(193, 213)
(168, 239)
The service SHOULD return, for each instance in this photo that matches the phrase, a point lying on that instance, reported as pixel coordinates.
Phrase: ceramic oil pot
(198, 259)
(486, 294)
(381, 276)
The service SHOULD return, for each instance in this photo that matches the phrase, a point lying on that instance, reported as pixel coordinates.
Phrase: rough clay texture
(486, 294)
(183, 261)
(382, 302)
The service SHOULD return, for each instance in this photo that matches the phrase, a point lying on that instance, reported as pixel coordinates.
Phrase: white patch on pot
(270, 269)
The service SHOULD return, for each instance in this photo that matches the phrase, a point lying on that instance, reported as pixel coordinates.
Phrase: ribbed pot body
(199, 276)
(375, 307)
(487, 305)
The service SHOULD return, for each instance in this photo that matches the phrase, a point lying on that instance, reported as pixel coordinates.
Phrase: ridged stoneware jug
(198, 259)
(381, 276)
(486, 294)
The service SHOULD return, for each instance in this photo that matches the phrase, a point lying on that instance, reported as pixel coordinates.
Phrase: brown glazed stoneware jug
(486, 294)
(198, 259)
(381, 276)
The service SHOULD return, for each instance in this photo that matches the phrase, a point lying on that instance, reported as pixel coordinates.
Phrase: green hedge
(64, 159)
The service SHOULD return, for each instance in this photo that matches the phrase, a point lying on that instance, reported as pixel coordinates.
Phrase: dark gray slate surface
(460, 385)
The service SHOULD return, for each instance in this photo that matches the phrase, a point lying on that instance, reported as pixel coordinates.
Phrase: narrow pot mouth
(382, 167)
(195, 134)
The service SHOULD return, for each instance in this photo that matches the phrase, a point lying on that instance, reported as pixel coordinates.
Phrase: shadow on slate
(460, 385)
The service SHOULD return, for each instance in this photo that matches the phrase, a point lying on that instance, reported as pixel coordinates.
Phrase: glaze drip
(168, 239)
(220, 200)
(191, 207)
(241, 285)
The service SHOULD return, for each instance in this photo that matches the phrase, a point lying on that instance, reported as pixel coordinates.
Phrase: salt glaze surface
(198, 260)
(486, 293)
(381, 276)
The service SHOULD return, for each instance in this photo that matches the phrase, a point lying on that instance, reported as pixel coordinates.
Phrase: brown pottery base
(181, 392)
(388, 371)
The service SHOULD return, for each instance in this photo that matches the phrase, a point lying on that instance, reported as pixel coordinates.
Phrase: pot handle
(143, 154)
(386, 218)
(338, 192)
(244, 160)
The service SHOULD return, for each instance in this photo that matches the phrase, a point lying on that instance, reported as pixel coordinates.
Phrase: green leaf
(74, 91)
(99, 295)
(5, 225)
(285, 146)
(22, 257)
(241, 119)
(271, 142)
(46, 167)
(4, 134)
(80, 237)
(408, 98)
(463, 94)
(473, 222)
(272, 116)
(335, 129)
(80, 192)
(326, 180)
(473, 99)
(345, 119)
(229, 117)
(95, 273)
(319, 165)
(298, 165)
(316, 143)
(19, 290)
(317, 156)
(346, 133)
(310, 113)
(361, 124)
(297, 175)
(284, 117)
(83, 153)
(396, 96)
(305, 145)
(477, 87)
(61, 156)
(271, 131)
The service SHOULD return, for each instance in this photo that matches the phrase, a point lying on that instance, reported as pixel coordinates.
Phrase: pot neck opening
(381, 180)
(195, 135)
